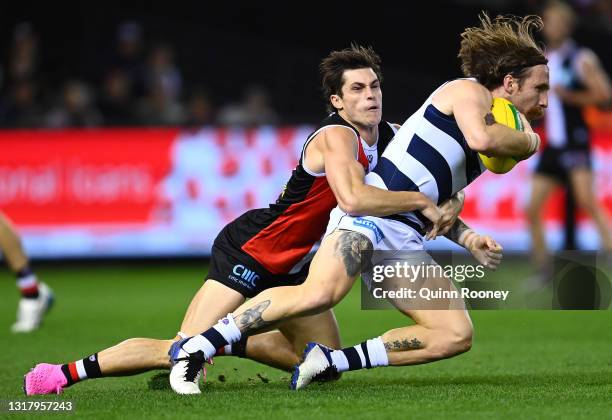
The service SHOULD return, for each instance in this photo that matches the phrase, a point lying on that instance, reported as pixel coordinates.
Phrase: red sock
(27, 283)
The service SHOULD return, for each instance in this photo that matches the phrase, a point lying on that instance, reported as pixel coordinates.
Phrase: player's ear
(336, 102)
(510, 84)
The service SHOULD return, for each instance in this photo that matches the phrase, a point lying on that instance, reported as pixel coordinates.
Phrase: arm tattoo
(355, 250)
(489, 119)
(456, 230)
(251, 320)
(405, 344)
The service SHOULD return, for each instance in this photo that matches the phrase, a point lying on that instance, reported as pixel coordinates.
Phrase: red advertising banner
(82, 176)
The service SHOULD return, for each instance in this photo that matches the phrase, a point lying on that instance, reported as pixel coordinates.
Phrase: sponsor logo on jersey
(245, 276)
(368, 224)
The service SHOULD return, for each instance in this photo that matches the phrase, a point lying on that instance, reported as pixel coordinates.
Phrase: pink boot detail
(45, 378)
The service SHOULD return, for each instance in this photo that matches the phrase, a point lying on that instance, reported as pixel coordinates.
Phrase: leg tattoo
(355, 250)
(403, 345)
(251, 320)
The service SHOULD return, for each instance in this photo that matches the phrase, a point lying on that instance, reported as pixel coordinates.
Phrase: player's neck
(369, 134)
(366, 132)
(499, 92)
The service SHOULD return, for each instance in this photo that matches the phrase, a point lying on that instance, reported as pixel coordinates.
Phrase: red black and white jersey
(283, 237)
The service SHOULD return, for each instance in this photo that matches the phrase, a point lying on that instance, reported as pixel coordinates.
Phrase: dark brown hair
(500, 47)
(333, 66)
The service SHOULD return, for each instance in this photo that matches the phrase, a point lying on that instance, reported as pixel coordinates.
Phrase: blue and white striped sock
(221, 334)
(369, 354)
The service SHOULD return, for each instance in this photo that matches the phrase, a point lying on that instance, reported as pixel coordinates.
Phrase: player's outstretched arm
(597, 87)
(472, 110)
(485, 249)
(346, 179)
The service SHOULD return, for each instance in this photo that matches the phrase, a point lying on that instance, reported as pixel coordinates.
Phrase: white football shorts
(393, 241)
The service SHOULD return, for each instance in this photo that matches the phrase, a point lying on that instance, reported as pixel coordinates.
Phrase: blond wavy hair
(501, 46)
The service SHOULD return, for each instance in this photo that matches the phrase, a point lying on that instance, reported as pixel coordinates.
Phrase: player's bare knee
(315, 299)
(463, 340)
(319, 301)
(452, 342)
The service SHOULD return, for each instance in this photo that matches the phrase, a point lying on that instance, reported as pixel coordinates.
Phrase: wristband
(534, 142)
(466, 238)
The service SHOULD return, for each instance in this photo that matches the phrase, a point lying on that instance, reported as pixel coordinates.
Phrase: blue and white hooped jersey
(428, 154)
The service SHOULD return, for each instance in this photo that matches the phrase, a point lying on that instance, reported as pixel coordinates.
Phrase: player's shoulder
(335, 120)
(334, 126)
(335, 134)
(468, 86)
(333, 131)
(460, 91)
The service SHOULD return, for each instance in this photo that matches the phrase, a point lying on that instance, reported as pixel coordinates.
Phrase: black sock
(239, 347)
(80, 370)
(354, 360)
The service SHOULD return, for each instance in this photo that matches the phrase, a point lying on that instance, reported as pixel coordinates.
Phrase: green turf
(527, 364)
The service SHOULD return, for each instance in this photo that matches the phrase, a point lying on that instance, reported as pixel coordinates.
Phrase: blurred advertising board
(150, 192)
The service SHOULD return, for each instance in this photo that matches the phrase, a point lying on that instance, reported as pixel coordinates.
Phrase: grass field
(523, 364)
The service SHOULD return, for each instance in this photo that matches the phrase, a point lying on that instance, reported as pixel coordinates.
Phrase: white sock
(228, 329)
(369, 354)
(378, 352)
(339, 360)
(221, 334)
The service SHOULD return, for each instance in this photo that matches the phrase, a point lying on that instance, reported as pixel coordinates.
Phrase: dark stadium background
(225, 46)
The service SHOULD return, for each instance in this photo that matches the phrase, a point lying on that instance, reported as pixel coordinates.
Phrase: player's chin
(535, 113)
(373, 116)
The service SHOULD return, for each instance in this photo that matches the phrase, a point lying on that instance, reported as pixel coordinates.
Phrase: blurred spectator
(200, 110)
(162, 73)
(20, 109)
(23, 60)
(19, 106)
(255, 109)
(129, 56)
(116, 101)
(77, 109)
(160, 109)
(163, 83)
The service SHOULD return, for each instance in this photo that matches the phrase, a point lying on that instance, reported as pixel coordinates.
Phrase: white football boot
(316, 366)
(186, 369)
(31, 311)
